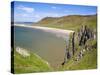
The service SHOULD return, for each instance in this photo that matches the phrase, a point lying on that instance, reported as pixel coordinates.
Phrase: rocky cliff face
(80, 41)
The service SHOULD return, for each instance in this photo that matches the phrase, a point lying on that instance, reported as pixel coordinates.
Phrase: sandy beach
(56, 30)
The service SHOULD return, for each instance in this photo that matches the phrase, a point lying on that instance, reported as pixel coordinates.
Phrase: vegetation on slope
(29, 64)
(88, 61)
(71, 22)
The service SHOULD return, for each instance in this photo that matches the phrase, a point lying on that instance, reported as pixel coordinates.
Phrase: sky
(34, 12)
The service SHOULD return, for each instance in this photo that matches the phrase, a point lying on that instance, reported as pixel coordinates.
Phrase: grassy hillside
(89, 61)
(32, 63)
(72, 22)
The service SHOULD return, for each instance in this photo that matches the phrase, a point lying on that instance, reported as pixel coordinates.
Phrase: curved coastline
(61, 33)
(56, 30)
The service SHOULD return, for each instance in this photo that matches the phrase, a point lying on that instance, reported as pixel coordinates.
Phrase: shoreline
(47, 29)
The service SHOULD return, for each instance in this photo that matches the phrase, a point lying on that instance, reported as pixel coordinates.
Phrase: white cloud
(26, 9)
(22, 15)
(54, 7)
(52, 15)
(25, 15)
(37, 16)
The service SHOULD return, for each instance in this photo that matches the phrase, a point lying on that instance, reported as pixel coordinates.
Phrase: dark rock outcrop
(84, 35)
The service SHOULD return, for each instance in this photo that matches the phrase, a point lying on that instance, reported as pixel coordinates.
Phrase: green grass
(88, 61)
(29, 64)
(71, 22)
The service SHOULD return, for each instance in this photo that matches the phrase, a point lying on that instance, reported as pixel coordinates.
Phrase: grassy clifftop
(89, 61)
(29, 64)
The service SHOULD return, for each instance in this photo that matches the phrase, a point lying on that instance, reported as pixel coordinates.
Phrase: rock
(63, 63)
(73, 43)
(22, 52)
(83, 50)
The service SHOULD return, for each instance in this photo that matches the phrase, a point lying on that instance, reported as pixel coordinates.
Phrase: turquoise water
(45, 44)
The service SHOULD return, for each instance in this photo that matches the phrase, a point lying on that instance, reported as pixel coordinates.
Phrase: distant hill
(25, 23)
(69, 22)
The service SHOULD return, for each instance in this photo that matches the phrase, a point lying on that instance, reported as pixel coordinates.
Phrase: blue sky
(33, 12)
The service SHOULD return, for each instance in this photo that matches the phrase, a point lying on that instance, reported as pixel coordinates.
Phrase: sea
(45, 44)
